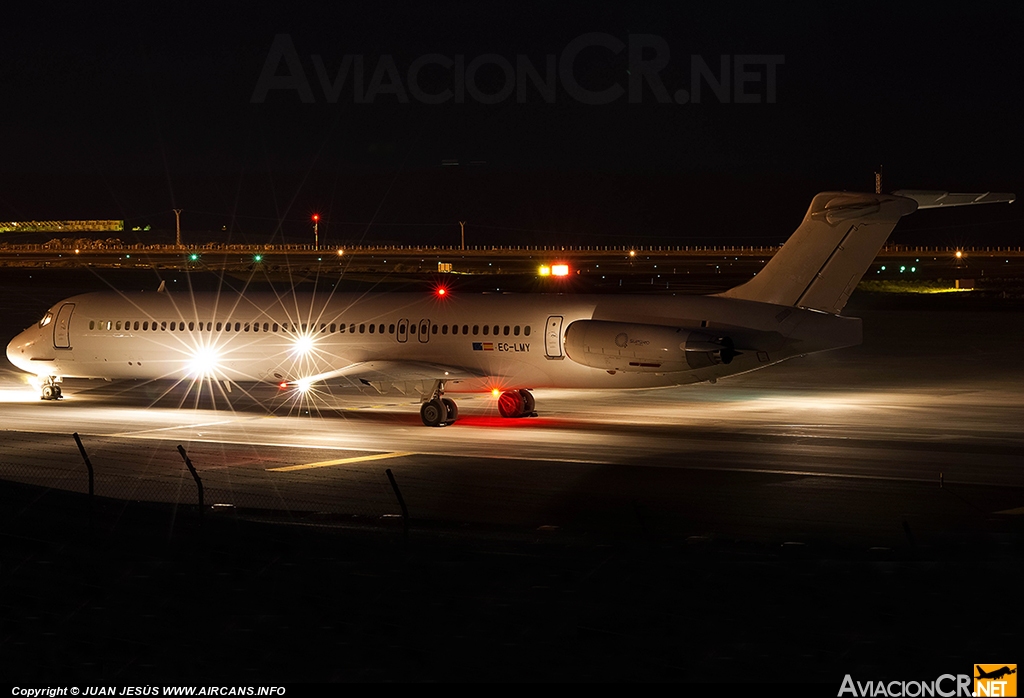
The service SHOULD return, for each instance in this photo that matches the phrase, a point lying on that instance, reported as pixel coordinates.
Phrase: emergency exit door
(553, 337)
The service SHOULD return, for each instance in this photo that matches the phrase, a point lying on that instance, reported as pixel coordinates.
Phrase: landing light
(560, 270)
(303, 344)
(304, 384)
(495, 392)
(544, 271)
(204, 362)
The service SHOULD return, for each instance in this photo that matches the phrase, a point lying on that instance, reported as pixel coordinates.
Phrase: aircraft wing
(393, 371)
(939, 199)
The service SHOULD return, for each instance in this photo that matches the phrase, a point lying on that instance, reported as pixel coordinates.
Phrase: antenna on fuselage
(162, 287)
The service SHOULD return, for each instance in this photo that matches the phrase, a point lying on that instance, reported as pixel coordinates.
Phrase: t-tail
(823, 261)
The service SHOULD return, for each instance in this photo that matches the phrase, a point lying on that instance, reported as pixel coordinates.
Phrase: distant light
(544, 270)
(341, 252)
(560, 270)
(316, 217)
(959, 254)
(440, 291)
(883, 267)
(193, 256)
(913, 268)
(632, 253)
(76, 251)
(902, 269)
(258, 258)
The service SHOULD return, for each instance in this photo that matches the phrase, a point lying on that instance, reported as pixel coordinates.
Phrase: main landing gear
(437, 410)
(50, 389)
(517, 403)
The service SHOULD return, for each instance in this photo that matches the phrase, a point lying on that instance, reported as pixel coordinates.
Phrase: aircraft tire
(433, 413)
(510, 404)
(47, 393)
(451, 409)
(529, 403)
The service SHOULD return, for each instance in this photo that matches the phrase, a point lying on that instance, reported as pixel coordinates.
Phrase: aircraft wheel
(57, 395)
(529, 403)
(48, 393)
(451, 408)
(510, 404)
(433, 413)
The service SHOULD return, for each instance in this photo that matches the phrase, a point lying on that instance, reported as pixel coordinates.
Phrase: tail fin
(824, 260)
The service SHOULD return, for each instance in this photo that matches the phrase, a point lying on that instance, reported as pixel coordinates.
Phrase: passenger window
(455, 329)
(275, 327)
(505, 332)
(92, 324)
(163, 326)
(362, 329)
(487, 329)
(391, 328)
(496, 329)
(136, 325)
(476, 329)
(412, 329)
(352, 328)
(372, 328)
(341, 328)
(444, 329)
(515, 330)
(526, 330)
(266, 327)
(219, 326)
(255, 327)
(118, 325)
(434, 330)
(465, 329)
(333, 327)
(380, 328)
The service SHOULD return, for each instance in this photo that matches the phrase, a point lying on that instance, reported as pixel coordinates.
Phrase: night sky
(130, 112)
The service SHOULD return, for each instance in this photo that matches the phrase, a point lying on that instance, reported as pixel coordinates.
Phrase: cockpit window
(46, 320)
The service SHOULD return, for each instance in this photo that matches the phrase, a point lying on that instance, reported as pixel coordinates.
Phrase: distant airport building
(60, 226)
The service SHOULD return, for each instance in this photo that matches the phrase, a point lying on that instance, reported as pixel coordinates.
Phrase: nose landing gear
(50, 389)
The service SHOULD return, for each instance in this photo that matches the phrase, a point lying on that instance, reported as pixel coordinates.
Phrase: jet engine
(628, 347)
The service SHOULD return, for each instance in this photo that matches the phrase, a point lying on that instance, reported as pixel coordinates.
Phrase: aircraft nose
(19, 350)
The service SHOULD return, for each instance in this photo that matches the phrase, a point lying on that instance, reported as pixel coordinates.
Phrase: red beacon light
(440, 291)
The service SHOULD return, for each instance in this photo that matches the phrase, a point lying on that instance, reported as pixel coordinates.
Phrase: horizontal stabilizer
(939, 199)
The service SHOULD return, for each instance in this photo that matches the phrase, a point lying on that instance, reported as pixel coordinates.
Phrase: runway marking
(1019, 511)
(127, 434)
(341, 461)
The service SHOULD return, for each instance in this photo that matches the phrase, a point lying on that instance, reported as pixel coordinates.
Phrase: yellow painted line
(340, 461)
(1019, 511)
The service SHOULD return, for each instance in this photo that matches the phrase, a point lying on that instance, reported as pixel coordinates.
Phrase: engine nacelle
(628, 347)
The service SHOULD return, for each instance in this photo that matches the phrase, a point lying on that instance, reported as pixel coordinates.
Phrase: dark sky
(129, 112)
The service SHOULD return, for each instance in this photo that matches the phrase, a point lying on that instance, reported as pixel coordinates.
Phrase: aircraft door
(62, 327)
(403, 330)
(424, 333)
(553, 337)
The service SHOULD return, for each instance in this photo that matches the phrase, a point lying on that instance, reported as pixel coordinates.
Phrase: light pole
(316, 231)
(177, 226)
(462, 226)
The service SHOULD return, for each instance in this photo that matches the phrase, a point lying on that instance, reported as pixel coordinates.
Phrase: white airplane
(436, 343)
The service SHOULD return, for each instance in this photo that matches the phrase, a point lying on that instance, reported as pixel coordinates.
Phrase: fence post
(88, 463)
(401, 503)
(195, 476)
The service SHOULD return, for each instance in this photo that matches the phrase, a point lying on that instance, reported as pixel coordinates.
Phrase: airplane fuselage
(504, 341)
